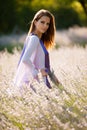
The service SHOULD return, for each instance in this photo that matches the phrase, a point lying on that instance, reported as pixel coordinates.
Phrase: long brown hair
(48, 36)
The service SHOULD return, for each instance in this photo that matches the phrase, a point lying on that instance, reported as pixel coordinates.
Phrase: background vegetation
(16, 15)
(63, 107)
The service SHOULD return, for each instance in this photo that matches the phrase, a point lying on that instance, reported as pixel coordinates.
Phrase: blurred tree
(66, 17)
(7, 15)
(78, 6)
(19, 13)
(84, 5)
(69, 2)
(24, 13)
(47, 4)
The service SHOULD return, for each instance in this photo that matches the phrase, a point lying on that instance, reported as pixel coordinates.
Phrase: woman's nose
(45, 26)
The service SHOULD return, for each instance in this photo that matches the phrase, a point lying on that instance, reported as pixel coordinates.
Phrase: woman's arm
(32, 44)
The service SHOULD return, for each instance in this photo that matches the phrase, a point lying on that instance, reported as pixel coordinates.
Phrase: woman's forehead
(45, 18)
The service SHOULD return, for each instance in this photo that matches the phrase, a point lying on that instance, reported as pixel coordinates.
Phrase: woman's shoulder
(33, 37)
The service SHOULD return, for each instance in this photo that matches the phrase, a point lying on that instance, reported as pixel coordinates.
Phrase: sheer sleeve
(32, 44)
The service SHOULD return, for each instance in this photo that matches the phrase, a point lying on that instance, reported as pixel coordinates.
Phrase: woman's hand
(43, 72)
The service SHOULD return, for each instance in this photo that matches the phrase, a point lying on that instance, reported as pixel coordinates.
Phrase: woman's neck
(38, 34)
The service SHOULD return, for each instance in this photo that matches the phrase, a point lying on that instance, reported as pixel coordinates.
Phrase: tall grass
(10, 47)
(63, 107)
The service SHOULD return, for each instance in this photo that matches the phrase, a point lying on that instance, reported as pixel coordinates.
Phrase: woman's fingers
(44, 73)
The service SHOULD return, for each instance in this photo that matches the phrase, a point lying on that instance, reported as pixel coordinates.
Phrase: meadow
(63, 107)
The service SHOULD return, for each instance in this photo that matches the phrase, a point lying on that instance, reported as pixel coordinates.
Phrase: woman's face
(42, 24)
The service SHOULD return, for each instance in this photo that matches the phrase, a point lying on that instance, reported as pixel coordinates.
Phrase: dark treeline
(16, 15)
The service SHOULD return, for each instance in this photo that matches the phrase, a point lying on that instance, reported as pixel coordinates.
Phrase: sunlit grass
(63, 107)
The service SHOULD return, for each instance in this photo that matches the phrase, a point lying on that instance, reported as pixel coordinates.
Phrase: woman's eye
(48, 23)
(42, 22)
(45, 23)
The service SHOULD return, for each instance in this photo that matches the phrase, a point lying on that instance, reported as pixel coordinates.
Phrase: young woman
(35, 56)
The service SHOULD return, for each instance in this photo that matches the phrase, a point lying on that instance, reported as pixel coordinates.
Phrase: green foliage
(10, 47)
(50, 4)
(66, 17)
(20, 13)
(24, 18)
(7, 15)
